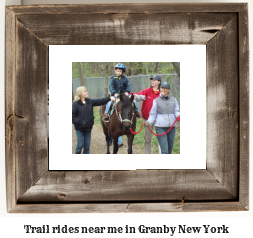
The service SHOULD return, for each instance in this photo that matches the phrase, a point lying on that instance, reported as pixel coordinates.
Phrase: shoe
(120, 144)
(137, 114)
(106, 117)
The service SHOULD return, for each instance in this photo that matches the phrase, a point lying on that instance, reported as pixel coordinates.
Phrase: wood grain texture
(223, 108)
(156, 8)
(142, 185)
(222, 187)
(30, 108)
(244, 106)
(129, 207)
(125, 29)
(9, 109)
(186, 207)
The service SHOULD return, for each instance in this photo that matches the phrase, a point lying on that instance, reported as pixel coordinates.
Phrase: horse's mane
(126, 103)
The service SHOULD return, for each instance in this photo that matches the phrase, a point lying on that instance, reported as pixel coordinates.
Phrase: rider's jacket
(119, 86)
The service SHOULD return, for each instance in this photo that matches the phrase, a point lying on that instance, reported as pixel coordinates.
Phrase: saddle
(112, 108)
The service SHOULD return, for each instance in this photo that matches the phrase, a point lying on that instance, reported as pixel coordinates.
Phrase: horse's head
(127, 111)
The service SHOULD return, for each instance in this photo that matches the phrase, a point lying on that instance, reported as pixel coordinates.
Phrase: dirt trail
(98, 143)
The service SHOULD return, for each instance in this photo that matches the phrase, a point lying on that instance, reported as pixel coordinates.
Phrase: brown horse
(120, 123)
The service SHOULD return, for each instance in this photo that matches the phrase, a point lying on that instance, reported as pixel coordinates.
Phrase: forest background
(83, 70)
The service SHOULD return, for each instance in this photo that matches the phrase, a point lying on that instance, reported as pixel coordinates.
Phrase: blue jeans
(83, 141)
(107, 107)
(119, 140)
(135, 105)
(110, 102)
(166, 141)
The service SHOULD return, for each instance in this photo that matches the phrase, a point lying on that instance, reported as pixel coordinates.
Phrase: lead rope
(152, 131)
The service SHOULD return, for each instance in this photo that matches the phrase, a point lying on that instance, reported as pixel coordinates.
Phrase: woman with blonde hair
(83, 118)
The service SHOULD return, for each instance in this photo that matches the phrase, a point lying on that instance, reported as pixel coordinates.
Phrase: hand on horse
(116, 95)
(112, 99)
(146, 124)
(126, 93)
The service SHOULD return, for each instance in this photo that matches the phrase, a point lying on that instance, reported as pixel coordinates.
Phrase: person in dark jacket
(83, 118)
(119, 84)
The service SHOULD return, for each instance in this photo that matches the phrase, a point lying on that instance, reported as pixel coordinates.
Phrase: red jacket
(147, 104)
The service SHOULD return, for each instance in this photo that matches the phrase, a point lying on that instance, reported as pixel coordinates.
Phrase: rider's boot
(137, 114)
(106, 117)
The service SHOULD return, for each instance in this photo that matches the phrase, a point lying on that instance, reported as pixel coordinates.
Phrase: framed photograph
(61, 65)
(211, 172)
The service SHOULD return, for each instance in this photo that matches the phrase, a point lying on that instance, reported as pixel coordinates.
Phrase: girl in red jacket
(147, 96)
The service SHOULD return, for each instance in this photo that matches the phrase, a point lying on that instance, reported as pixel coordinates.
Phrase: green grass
(139, 138)
(176, 147)
(96, 113)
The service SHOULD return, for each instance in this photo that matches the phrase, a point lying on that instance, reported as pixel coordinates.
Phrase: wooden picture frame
(222, 186)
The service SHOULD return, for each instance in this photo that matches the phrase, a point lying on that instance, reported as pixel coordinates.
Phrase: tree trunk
(147, 68)
(128, 69)
(177, 67)
(105, 67)
(112, 72)
(84, 73)
(155, 67)
(80, 73)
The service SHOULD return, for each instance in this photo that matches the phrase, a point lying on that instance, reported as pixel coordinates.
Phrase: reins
(120, 118)
(152, 131)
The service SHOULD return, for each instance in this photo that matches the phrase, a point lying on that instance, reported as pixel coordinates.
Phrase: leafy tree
(80, 73)
(177, 67)
(83, 70)
(74, 70)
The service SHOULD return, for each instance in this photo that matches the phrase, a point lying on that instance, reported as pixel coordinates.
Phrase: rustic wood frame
(223, 186)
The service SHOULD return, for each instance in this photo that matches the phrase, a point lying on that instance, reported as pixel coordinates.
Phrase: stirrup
(106, 119)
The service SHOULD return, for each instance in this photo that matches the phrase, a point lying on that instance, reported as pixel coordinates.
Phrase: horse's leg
(115, 144)
(107, 138)
(110, 142)
(130, 138)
